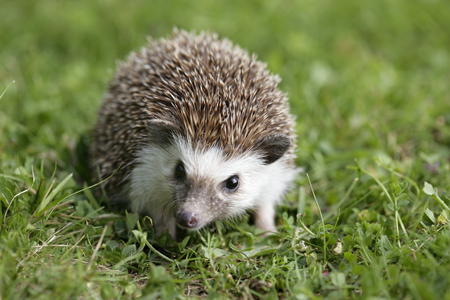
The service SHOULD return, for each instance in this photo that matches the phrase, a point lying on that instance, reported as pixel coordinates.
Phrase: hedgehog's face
(208, 186)
(199, 198)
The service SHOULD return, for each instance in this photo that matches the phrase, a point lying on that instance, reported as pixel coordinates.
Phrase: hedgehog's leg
(265, 218)
(163, 222)
(168, 224)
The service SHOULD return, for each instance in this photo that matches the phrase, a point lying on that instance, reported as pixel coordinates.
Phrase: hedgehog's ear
(273, 147)
(162, 132)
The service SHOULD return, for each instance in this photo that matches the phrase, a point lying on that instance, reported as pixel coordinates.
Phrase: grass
(369, 84)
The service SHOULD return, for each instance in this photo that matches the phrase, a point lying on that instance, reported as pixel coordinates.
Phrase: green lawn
(369, 82)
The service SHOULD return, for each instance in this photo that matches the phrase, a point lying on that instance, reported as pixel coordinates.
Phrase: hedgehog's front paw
(264, 219)
(169, 225)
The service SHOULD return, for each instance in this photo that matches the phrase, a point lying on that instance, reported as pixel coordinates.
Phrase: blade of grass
(54, 192)
(323, 223)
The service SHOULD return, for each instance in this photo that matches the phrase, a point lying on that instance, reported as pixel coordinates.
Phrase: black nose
(187, 219)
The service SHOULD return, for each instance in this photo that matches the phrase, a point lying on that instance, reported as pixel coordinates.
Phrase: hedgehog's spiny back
(214, 94)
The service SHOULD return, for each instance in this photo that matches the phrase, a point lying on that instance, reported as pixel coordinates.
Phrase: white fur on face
(261, 186)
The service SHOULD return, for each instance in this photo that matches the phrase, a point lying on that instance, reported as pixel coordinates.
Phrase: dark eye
(232, 183)
(180, 173)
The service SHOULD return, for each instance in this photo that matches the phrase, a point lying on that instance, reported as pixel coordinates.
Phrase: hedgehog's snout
(187, 219)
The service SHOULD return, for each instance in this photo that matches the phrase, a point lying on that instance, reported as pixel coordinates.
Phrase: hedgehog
(195, 130)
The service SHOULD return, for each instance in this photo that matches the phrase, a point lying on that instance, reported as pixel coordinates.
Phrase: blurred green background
(364, 78)
(367, 80)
